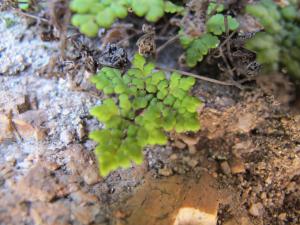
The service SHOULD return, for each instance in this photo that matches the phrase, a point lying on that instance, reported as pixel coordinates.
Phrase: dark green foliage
(198, 47)
(279, 45)
(90, 15)
(147, 105)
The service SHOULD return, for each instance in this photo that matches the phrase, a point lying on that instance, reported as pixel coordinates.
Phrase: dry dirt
(242, 168)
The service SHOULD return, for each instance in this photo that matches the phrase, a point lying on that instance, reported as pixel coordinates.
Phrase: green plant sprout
(198, 47)
(24, 4)
(9, 22)
(146, 106)
(278, 46)
(90, 15)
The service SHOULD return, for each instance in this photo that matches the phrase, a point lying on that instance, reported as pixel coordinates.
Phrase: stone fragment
(90, 175)
(22, 104)
(81, 131)
(13, 211)
(192, 149)
(40, 134)
(187, 216)
(173, 157)
(256, 209)
(86, 214)
(52, 165)
(80, 163)
(188, 139)
(192, 163)
(39, 184)
(244, 147)
(119, 214)
(56, 213)
(237, 166)
(11, 160)
(239, 221)
(174, 200)
(282, 216)
(6, 170)
(200, 205)
(178, 144)
(165, 171)
(225, 168)
(5, 133)
(66, 137)
(27, 125)
(83, 197)
(246, 122)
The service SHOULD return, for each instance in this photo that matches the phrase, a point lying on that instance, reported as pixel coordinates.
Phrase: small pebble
(214, 174)
(11, 159)
(282, 216)
(192, 163)
(66, 137)
(165, 171)
(256, 209)
(225, 168)
(192, 149)
(20, 59)
(173, 157)
(81, 133)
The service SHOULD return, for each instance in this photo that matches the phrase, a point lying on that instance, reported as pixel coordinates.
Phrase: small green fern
(279, 45)
(90, 15)
(198, 47)
(147, 105)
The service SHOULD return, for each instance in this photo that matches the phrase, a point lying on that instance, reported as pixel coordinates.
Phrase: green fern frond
(148, 105)
(198, 47)
(90, 15)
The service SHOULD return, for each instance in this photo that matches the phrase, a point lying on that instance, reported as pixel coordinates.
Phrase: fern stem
(197, 76)
(166, 44)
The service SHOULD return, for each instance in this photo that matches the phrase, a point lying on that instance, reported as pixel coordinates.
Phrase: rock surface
(175, 200)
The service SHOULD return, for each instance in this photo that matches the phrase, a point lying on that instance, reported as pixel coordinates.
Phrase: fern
(216, 24)
(198, 47)
(279, 45)
(90, 15)
(147, 105)
(24, 4)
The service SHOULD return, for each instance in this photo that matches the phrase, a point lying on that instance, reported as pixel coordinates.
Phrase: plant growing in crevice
(197, 46)
(90, 15)
(146, 106)
(278, 46)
